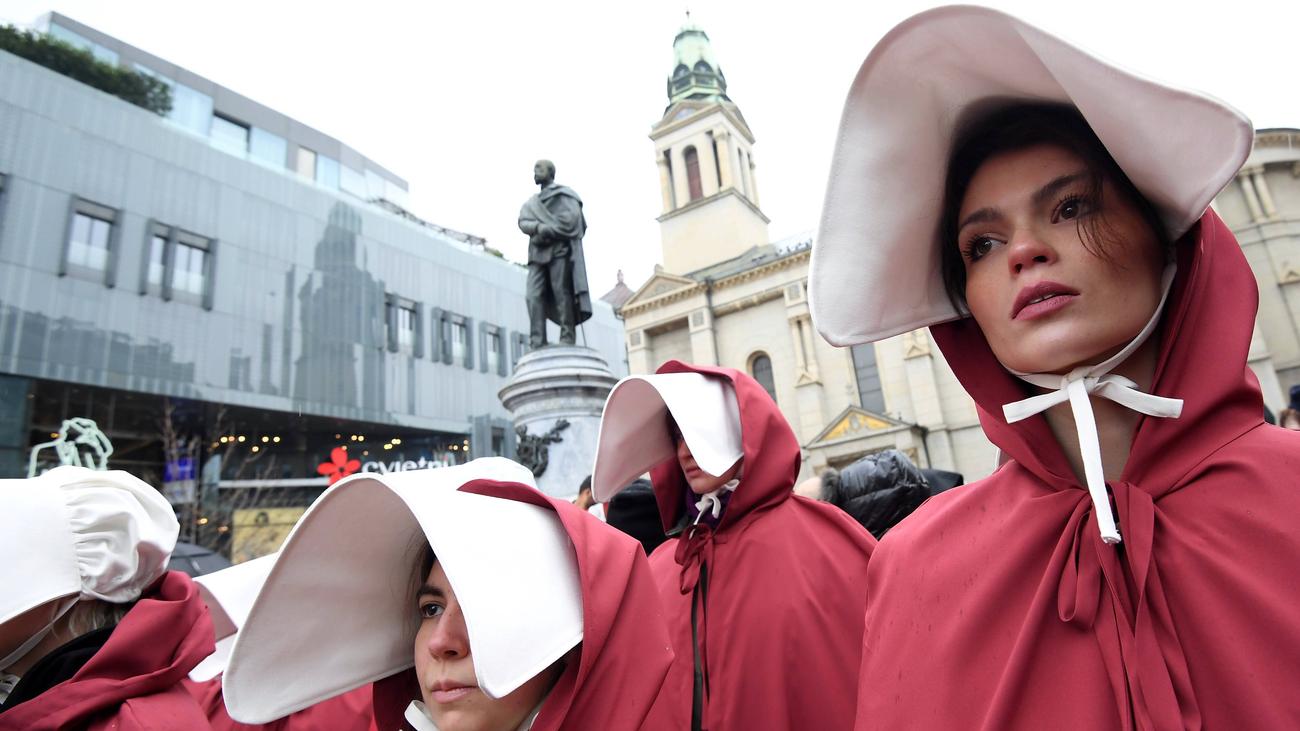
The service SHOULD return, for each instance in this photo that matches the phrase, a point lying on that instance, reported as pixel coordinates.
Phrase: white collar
(1097, 380)
(418, 716)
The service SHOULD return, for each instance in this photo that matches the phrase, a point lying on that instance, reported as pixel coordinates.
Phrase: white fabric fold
(712, 500)
(1097, 380)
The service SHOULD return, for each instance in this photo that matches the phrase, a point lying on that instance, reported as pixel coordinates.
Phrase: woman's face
(1045, 302)
(445, 668)
(700, 481)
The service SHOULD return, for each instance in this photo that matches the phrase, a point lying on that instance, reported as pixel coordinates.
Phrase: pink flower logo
(339, 465)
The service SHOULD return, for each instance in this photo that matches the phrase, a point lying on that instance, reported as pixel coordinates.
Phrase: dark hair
(1015, 128)
(422, 559)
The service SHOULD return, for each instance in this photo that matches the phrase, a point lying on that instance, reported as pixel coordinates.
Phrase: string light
(276, 440)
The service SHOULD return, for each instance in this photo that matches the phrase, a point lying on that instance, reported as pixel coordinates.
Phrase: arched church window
(760, 367)
(703, 68)
(693, 173)
(680, 71)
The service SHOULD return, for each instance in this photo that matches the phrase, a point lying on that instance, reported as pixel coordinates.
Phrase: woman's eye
(1070, 208)
(429, 610)
(978, 247)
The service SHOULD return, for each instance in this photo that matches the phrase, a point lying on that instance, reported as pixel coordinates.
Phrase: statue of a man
(557, 272)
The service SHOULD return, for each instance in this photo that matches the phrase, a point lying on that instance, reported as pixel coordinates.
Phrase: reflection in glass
(327, 172)
(191, 109)
(267, 148)
(459, 342)
(306, 166)
(352, 181)
(154, 278)
(88, 245)
(76, 40)
(229, 135)
(187, 269)
(493, 354)
(406, 328)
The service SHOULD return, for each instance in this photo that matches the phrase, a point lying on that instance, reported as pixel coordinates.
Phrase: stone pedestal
(555, 383)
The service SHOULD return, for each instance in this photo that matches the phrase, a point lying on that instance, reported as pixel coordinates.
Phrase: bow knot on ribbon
(1097, 380)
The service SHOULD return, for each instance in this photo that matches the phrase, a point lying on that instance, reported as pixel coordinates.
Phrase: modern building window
(864, 366)
(156, 266)
(189, 268)
(518, 346)
(306, 166)
(693, 173)
(327, 172)
(494, 349)
(406, 328)
(88, 251)
(229, 135)
(178, 265)
(267, 148)
(459, 341)
(191, 109)
(352, 182)
(760, 367)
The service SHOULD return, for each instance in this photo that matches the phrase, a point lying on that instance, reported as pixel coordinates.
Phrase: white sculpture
(80, 443)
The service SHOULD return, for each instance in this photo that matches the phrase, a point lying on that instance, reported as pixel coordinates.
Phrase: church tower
(704, 151)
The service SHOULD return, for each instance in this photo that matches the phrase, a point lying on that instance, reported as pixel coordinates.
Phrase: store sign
(402, 466)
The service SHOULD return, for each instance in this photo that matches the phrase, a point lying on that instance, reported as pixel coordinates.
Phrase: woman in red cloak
(763, 588)
(473, 600)
(95, 632)
(1130, 564)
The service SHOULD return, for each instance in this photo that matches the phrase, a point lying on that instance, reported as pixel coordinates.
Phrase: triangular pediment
(659, 284)
(855, 421)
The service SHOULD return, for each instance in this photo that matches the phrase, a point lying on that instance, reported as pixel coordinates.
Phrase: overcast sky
(461, 97)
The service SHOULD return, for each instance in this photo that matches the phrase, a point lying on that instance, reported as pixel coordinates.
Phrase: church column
(753, 180)
(665, 181)
(722, 139)
(1265, 197)
(708, 166)
(1252, 201)
(640, 356)
(681, 186)
(704, 350)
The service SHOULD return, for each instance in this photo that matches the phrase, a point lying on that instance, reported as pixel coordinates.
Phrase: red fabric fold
(135, 680)
(780, 624)
(997, 606)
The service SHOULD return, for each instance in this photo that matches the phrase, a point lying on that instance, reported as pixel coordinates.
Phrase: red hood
(771, 450)
(625, 650)
(1205, 338)
(149, 653)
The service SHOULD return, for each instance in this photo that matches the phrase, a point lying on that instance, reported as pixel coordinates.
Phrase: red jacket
(997, 606)
(625, 651)
(134, 681)
(779, 618)
(350, 711)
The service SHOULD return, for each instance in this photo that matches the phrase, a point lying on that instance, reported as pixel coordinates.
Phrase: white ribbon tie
(712, 501)
(1097, 380)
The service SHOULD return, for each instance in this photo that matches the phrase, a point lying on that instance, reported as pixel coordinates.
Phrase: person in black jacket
(878, 490)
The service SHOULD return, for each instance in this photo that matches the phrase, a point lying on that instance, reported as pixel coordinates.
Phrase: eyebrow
(433, 591)
(1045, 193)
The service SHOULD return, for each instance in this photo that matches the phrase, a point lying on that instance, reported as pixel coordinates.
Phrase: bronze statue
(557, 271)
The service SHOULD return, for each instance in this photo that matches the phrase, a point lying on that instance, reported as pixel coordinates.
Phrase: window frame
(176, 237)
(78, 206)
(752, 361)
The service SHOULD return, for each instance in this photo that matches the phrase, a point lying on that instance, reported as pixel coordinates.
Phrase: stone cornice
(701, 202)
(786, 262)
(662, 300)
(662, 127)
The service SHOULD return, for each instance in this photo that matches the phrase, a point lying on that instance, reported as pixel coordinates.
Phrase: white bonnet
(75, 531)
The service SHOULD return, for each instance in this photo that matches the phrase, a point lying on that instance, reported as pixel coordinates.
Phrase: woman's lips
(443, 696)
(1041, 298)
(1045, 307)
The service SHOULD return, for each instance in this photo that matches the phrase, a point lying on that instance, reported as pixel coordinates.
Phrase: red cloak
(780, 624)
(997, 605)
(624, 652)
(350, 711)
(134, 681)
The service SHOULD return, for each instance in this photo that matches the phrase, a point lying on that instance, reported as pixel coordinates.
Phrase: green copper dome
(696, 73)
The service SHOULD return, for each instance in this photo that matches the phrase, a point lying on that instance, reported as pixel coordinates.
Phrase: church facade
(728, 295)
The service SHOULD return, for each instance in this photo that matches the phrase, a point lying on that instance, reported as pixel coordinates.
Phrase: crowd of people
(1128, 565)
